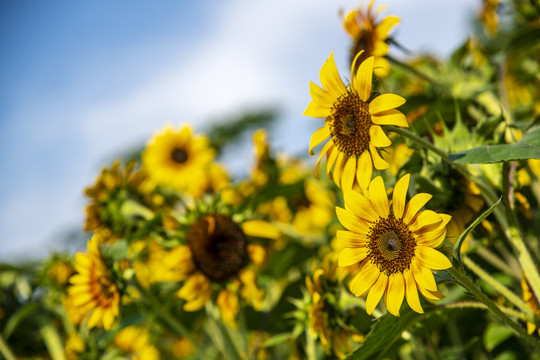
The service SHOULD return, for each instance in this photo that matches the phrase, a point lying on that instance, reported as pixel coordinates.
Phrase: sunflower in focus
(396, 249)
(178, 159)
(223, 256)
(352, 121)
(92, 289)
(115, 194)
(370, 36)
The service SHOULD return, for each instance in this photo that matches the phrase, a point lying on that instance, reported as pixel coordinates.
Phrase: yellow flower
(370, 36)
(314, 210)
(352, 121)
(397, 156)
(134, 340)
(183, 347)
(177, 159)
(113, 190)
(488, 15)
(396, 250)
(220, 253)
(74, 346)
(60, 271)
(93, 290)
(531, 301)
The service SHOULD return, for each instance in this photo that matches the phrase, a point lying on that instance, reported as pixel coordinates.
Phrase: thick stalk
(470, 286)
(5, 350)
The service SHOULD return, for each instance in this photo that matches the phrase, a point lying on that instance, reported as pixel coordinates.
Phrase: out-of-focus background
(86, 82)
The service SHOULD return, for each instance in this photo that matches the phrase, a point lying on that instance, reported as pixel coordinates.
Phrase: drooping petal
(364, 279)
(432, 238)
(414, 205)
(411, 294)
(399, 197)
(333, 154)
(352, 239)
(385, 102)
(380, 48)
(338, 169)
(378, 161)
(260, 228)
(349, 172)
(431, 295)
(378, 137)
(395, 293)
(363, 79)
(352, 256)
(318, 137)
(378, 197)
(432, 258)
(359, 205)
(330, 79)
(426, 220)
(350, 221)
(314, 109)
(381, 67)
(390, 117)
(376, 292)
(422, 275)
(384, 27)
(364, 170)
(326, 148)
(324, 98)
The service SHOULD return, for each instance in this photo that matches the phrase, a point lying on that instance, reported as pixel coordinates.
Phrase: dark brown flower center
(391, 245)
(179, 155)
(218, 245)
(350, 122)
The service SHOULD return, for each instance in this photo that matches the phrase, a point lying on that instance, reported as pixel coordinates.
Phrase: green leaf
(496, 334)
(19, 316)
(526, 148)
(386, 331)
(471, 227)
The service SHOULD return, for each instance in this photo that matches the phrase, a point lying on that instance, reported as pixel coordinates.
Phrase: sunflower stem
(165, 315)
(413, 70)
(310, 348)
(5, 349)
(470, 286)
(482, 306)
(503, 290)
(516, 234)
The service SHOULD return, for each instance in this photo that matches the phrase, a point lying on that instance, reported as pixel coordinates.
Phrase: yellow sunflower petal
(95, 318)
(381, 67)
(376, 292)
(432, 238)
(260, 228)
(422, 275)
(395, 293)
(349, 172)
(326, 148)
(352, 239)
(380, 48)
(330, 79)
(390, 117)
(378, 197)
(431, 295)
(414, 205)
(378, 161)
(352, 256)
(364, 279)
(426, 220)
(411, 294)
(108, 318)
(399, 197)
(432, 258)
(350, 221)
(318, 137)
(359, 205)
(385, 102)
(364, 170)
(363, 78)
(378, 137)
(384, 27)
(324, 98)
(332, 157)
(314, 109)
(338, 169)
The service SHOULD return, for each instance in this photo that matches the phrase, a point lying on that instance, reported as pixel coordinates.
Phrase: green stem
(510, 296)
(494, 260)
(165, 315)
(479, 305)
(230, 349)
(52, 340)
(5, 350)
(310, 348)
(516, 235)
(470, 286)
(412, 70)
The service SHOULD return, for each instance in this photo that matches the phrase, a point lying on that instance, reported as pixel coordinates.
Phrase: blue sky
(83, 82)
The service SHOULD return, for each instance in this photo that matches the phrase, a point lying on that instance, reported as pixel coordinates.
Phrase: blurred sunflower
(135, 341)
(352, 121)
(92, 289)
(488, 16)
(178, 159)
(222, 256)
(370, 36)
(531, 301)
(396, 250)
(327, 318)
(119, 197)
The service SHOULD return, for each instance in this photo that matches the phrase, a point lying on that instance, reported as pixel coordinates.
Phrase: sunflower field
(409, 228)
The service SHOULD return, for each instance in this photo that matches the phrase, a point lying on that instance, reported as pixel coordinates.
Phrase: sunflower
(92, 289)
(352, 121)
(178, 159)
(396, 249)
(488, 16)
(115, 190)
(222, 256)
(135, 341)
(370, 36)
